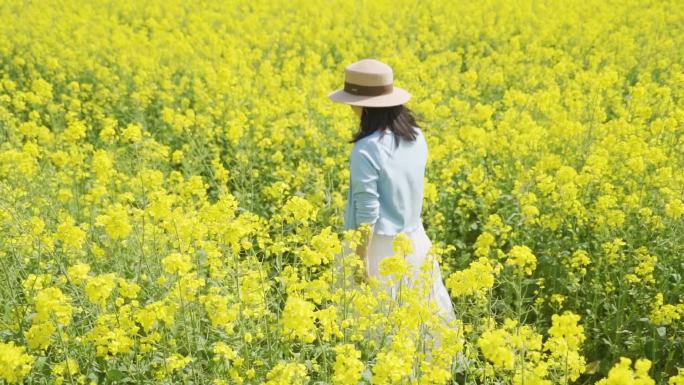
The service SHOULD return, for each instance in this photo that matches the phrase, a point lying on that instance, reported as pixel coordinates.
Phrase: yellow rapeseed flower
(15, 363)
(522, 257)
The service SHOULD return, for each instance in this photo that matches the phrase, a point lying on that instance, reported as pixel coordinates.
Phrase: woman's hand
(362, 248)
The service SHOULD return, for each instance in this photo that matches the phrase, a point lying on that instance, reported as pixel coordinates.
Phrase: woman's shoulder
(369, 142)
(382, 140)
(370, 148)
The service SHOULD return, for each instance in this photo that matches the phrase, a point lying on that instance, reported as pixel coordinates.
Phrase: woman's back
(386, 182)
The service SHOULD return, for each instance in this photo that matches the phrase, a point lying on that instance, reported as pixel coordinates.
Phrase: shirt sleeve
(365, 171)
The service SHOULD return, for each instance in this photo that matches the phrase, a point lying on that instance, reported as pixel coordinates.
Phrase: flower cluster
(15, 363)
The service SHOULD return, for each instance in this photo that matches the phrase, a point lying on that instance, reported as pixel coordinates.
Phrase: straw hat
(368, 83)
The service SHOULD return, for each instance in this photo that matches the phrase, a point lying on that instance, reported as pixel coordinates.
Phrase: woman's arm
(365, 172)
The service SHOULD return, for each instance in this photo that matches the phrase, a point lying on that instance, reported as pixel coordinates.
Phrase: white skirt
(380, 247)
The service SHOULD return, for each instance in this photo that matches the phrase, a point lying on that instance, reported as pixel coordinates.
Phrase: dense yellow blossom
(522, 258)
(348, 366)
(494, 345)
(173, 183)
(298, 319)
(70, 234)
(223, 351)
(564, 344)
(479, 276)
(401, 245)
(78, 272)
(579, 261)
(115, 221)
(664, 314)
(394, 363)
(324, 246)
(177, 263)
(176, 362)
(290, 373)
(395, 266)
(53, 305)
(99, 288)
(623, 374)
(15, 364)
(219, 310)
(299, 210)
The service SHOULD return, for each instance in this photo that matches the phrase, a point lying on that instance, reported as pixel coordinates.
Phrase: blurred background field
(173, 179)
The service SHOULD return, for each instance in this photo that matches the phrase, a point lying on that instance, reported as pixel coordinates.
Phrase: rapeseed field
(173, 180)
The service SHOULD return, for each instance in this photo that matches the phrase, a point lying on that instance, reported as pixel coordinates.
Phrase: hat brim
(398, 96)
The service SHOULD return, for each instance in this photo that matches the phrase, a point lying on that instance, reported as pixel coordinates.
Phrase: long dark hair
(398, 119)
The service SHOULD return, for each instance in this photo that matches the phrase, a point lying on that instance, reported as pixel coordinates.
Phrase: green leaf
(115, 374)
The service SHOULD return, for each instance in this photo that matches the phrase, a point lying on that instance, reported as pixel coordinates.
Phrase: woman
(387, 167)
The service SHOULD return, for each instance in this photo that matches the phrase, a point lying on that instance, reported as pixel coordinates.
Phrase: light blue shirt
(386, 183)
